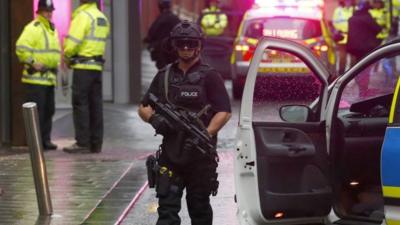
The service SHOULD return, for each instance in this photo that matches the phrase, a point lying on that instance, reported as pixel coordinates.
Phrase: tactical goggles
(187, 43)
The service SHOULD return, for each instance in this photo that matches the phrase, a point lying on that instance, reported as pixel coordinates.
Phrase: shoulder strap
(166, 78)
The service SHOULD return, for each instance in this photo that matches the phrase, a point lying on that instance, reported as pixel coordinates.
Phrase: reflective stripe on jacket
(87, 36)
(39, 43)
(340, 21)
(213, 21)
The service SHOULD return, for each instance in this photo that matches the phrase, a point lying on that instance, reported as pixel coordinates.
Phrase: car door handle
(297, 150)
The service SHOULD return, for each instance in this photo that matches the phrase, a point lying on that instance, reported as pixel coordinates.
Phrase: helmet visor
(186, 43)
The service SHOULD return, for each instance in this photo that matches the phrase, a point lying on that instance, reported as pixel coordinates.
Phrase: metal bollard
(34, 138)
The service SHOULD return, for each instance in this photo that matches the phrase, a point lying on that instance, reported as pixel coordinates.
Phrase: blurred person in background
(84, 50)
(39, 49)
(362, 39)
(340, 21)
(157, 37)
(213, 20)
(380, 12)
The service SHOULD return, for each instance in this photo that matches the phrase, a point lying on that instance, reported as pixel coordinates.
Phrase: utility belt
(159, 177)
(31, 70)
(97, 59)
(164, 180)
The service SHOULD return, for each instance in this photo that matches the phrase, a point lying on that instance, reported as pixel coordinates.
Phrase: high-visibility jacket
(39, 43)
(340, 21)
(87, 37)
(382, 19)
(213, 21)
(396, 8)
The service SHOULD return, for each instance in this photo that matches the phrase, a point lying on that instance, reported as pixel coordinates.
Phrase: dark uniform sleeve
(216, 92)
(154, 89)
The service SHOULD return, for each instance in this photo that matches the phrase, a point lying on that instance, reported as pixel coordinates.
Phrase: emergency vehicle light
(322, 48)
(242, 48)
(289, 3)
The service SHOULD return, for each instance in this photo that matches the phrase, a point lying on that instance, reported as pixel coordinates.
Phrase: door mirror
(294, 113)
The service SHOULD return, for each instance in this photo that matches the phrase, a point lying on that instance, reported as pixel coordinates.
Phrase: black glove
(160, 124)
(338, 36)
(190, 143)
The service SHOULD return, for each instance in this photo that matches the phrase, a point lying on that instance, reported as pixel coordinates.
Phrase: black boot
(75, 148)
(48, 145)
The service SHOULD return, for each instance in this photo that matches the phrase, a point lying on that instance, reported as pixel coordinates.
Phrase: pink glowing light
(102, 5)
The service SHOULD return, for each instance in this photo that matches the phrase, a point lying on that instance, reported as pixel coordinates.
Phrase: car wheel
(237, 89)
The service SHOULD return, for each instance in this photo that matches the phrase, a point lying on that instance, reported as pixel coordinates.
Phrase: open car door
(390, 163)
(360, 110)
(281, 163)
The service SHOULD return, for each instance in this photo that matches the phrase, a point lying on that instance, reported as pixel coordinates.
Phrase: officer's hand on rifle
(191, 143)
(160, 124)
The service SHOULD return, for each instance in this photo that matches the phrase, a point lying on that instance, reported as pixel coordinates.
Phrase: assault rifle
(185, 121)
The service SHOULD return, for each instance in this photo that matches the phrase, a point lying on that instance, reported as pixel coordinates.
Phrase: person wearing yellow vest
(340, 21)
(382, 18)
(38, 48)
(84, 48)
(396, 8)
(213, 21)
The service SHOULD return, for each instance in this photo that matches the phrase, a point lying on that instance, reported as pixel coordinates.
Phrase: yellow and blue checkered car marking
(391, 163)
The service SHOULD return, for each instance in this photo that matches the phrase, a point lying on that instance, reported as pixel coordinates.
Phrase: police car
(300, 20)
(332, 160)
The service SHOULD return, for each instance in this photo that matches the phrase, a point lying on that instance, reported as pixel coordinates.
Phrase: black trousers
(196, 180)
(87, 102)
(43, 96)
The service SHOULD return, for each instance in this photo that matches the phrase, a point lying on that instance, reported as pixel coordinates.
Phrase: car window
(282, 79)
(375, 82)
(291, 28)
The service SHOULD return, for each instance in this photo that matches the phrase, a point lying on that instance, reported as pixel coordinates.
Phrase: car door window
(282, 79)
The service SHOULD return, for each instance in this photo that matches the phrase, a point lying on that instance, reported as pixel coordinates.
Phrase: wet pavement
(105, 188)
(223, 204)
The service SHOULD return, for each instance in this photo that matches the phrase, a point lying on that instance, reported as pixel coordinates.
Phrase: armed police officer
(39, 49)
(84, 48)
(158, 34)
(191, 87)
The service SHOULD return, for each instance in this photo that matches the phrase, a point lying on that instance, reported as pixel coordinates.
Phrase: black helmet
(186, 30)
(164, 4)
(45, 5)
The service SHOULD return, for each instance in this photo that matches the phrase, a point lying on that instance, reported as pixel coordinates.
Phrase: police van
(300, 20)
(334, 159)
